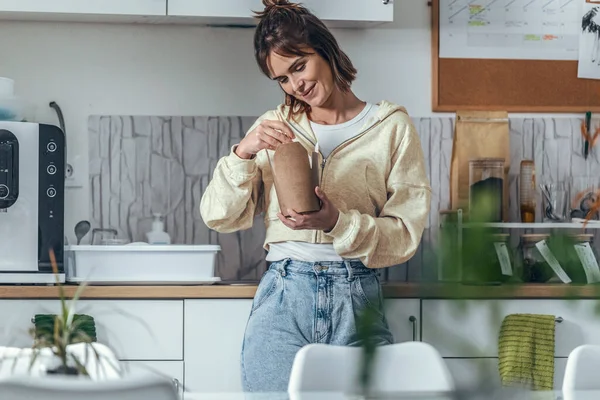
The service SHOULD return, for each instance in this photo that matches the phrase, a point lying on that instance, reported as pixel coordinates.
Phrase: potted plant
(68, 346)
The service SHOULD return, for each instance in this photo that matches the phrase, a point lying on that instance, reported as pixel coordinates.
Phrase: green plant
(66, 332)
(474, 253)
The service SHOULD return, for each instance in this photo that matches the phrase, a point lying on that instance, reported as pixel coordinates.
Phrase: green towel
(44, 326)
(526, 351)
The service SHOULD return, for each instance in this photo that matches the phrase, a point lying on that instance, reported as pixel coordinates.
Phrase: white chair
(400, 367)
(139, 387)
(581, 372)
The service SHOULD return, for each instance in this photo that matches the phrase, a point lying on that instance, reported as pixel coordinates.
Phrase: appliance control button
(51, 169)
(4, 192)
(51, 147)
(51, 192)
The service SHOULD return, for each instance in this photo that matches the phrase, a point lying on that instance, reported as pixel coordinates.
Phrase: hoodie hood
(301, 124)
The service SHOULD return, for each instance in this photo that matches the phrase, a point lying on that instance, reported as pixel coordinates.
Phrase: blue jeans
(298, 303)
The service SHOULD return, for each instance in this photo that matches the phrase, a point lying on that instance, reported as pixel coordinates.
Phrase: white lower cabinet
(198, 342)
(403, 317)
(478, 373)
(168, 369)
(133, 329)
(470, 328)
(214, 330)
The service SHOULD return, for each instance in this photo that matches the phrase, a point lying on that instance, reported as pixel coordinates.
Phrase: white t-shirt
(328, 137)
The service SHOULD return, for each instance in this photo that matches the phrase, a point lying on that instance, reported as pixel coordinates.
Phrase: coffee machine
(32, 188)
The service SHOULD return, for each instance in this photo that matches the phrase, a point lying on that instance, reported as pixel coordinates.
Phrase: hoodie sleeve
(234, 196)
(393, 237)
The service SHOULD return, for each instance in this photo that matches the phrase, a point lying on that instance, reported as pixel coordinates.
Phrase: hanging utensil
(586, 140)
(81, 229)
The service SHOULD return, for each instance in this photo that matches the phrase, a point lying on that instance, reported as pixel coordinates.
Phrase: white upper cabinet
(336, 13)
(91, 7)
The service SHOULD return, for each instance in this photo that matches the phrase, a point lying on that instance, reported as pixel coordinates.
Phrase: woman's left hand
(325, 219)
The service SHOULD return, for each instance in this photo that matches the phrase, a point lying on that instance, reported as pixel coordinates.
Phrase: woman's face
(307, 78)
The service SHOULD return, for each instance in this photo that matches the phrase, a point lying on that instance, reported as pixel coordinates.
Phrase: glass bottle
(527, 191)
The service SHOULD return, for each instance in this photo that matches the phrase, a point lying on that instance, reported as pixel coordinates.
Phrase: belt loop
(284, 265)
(348, 266)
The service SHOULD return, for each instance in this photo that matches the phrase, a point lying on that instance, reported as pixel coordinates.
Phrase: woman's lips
(308, 92)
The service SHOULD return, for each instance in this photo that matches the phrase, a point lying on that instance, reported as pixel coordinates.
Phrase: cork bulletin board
(513, 85)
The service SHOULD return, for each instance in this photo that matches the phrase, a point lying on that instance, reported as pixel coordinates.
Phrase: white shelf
(536, 225)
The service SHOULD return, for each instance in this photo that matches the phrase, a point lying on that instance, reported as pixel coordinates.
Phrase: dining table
(479, 394)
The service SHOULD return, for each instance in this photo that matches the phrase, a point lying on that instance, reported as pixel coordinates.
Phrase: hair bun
(276, 3)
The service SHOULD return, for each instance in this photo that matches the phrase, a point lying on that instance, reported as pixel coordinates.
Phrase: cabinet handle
(413, 320)
(176, 384)
(386, 1)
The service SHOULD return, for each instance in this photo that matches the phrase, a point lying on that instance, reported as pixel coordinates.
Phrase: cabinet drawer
(133, 329)
(470, 328)
(479, 373)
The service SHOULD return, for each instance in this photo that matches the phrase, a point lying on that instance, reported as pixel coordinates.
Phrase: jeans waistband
(339, 268)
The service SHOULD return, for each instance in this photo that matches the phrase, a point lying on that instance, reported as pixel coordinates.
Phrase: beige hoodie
(376, 179)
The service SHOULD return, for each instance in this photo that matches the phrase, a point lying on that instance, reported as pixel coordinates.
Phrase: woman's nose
(298, 85)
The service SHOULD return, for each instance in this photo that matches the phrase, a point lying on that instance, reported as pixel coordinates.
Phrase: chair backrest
(411, 367)
(581, 372)
(321, 368)
(400, 367)
(138, 387)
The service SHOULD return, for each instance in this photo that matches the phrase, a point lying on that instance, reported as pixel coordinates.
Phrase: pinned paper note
(589, 42)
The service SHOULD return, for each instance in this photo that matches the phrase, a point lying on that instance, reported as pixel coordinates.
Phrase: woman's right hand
(267, 135)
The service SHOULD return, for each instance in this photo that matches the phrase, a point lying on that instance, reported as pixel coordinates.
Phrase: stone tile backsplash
(140, 165)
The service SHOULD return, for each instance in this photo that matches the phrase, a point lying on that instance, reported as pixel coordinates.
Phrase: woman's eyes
(299, 68)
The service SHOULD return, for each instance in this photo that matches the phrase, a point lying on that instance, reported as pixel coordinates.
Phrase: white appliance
(32, 186)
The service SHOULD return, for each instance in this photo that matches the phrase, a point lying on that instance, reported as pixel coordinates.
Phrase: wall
(143, 165)
(101, 69)
(178, 70)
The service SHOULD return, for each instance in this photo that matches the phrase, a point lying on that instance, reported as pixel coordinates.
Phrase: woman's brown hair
(288, 29)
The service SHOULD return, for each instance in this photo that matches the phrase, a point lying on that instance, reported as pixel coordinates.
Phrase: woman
(374, 193)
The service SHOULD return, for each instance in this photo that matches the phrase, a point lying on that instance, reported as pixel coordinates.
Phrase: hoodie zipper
(324, 162)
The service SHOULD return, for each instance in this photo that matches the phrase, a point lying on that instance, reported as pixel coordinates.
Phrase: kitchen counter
(392, 290)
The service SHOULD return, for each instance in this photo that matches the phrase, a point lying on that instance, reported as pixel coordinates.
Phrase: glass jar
(486, 189)
(533, 268)
(448, 262)
(494, 264)
(571, 262)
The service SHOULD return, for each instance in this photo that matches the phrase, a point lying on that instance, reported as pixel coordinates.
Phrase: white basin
(141, 264)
